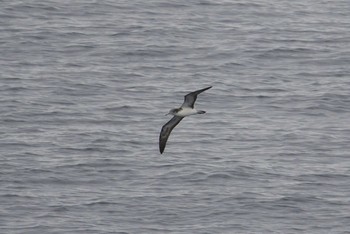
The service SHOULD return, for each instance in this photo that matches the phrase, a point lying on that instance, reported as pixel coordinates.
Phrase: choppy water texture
(85, 86)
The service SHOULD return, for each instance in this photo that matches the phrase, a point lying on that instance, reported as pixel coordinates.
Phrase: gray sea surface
(85, 85)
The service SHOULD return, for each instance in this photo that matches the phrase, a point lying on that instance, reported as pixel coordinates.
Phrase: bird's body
(186, 109)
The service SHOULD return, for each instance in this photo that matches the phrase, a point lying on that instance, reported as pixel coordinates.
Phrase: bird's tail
(201, 112)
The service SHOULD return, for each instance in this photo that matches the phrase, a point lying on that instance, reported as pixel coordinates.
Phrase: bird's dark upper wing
(192, 97)
(166, 130)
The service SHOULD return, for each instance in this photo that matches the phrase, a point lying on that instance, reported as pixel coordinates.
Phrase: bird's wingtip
(161, 149)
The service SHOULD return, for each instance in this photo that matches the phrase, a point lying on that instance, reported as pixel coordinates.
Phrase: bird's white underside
(186, 111)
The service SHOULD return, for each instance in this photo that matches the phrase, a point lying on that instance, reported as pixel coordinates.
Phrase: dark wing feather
(192, 97)
(166, 130)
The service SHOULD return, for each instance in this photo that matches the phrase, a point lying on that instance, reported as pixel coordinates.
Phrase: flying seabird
(186, 109)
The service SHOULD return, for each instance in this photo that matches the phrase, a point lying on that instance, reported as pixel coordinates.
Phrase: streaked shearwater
(186, 109)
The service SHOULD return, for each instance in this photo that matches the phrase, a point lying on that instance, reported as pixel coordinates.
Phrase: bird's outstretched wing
(192, 97)
(166, 130)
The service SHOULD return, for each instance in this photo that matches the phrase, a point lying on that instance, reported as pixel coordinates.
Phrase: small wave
(100, 203)
(123, 107)
(60, 209)
(219, 176)
(298, 199)
(10, 195)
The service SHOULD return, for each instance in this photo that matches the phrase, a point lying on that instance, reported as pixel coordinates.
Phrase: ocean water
(84, 86)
